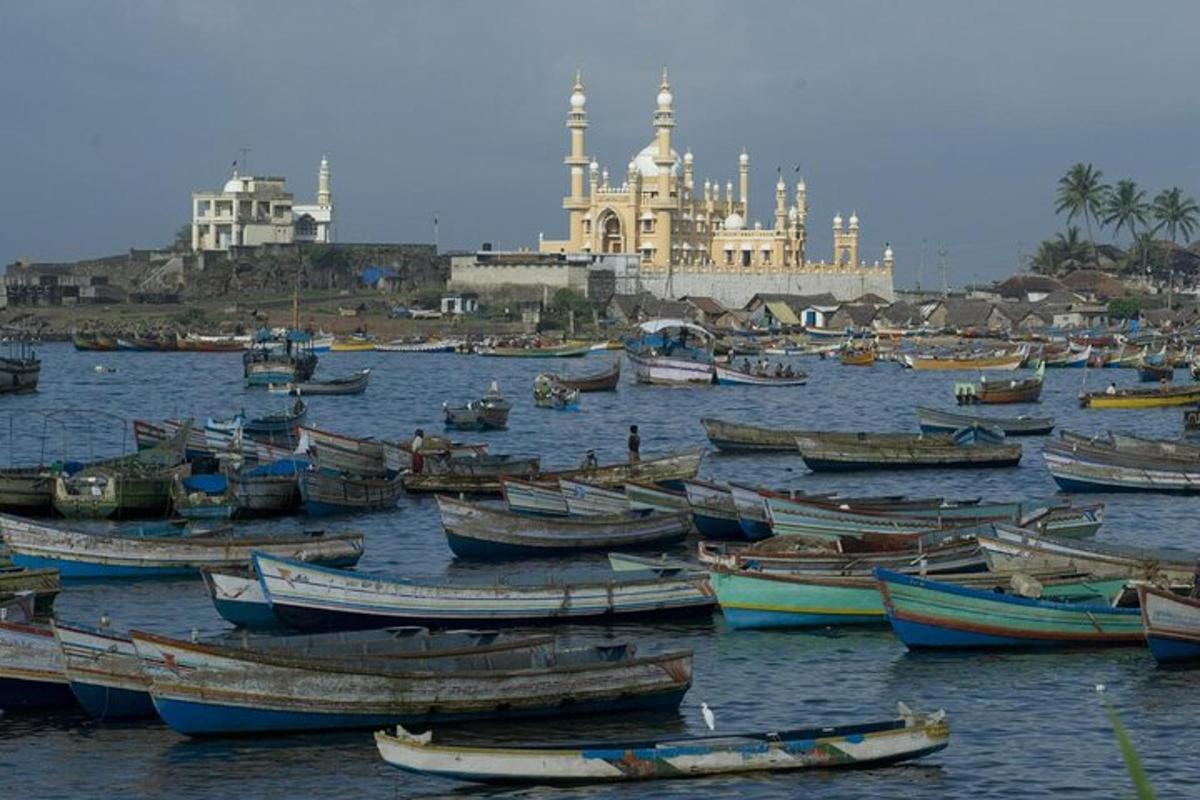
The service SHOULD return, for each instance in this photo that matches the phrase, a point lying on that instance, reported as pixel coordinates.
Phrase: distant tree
(183, 239)
(1081, 194)
(1176, 213)
(1053, 254)
(1125, 207)
(1124, 308)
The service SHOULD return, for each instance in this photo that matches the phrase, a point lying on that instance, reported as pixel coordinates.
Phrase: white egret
(709, 718)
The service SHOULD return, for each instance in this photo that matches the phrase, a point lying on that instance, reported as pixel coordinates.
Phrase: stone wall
(466, 274)
(734, 290)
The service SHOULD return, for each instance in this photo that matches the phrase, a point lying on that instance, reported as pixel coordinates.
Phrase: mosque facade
(695, 239)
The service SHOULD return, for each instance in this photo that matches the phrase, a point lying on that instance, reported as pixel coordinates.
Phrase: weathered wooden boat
(211, 344)
(565, 350)
(1122, 464)
(713, 511)
(31, 668)
(430, 346)
(285, 424)
(27, 490)
(666, 469)
(339, 453)
(84, 555)
(1009, 549)
(309, 598)
(856, 356)
(933, 614)
(936, 421)
(548, 393)
(737, 436)
(794, 555)
(207, 689)
(605, 381)
(1155, 373)
(1069, 359)
(1172, 624)
(481, 532)
(730, 376)
(238, 597)
(295, 363)
(344, 385)
(753, 515)
(96, 342)
(908, 737)
(821, 453)
(269, 489)
(489, 413)
(203, 497)
(323, 493)
(761, 599)
(1017, 390)
(38, 586)
(671, 352)
(589, 500)
(104, 672)
(352, 344)
(652, 497)
(20, 369)
(1158, 397)
(966, 361)
(523, 497)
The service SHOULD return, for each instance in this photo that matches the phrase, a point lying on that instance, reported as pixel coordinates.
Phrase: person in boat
(1112, 389)
(746, 365)
(779, 370)
(635, 445)
(418, 458)
(1162, 384)
(788, 372)
(589, 460)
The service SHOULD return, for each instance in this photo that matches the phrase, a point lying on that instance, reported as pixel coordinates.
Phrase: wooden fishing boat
(1158, 397)
(856, 356)
(353, 344)
(672, 467)
(489, 413)
(966, 361)
(93, 342)
(671, 352)
(203, 497)
(474, 531)
(547, 393)
(238, 597)
(40, 586)
(730, 376)
(431, 346)
(76, 554)
(589, 500)
(605, 381)
(643, 497)
(31, 668)
(909, 737)
(1172, 624)
(346, 454)
(1123, 463)
(737, 436)
(211, 344)
(309, 598)
(1155, 373)
(869, 451)
(1023, 390)
(937, 421)
(1009, 549)
(566, 350)
(933, 614)
(208, 689)
(20, 369)
(713, 511)
(793, 555)
(323, 493)
(283, 425)
(760, 599)
(523, 497)
(752, 513)
(269, 489)
(355, 383)
(104, 672)
(27, 491)
(1069, 359)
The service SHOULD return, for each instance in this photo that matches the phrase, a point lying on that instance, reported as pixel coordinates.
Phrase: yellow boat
(1006, 361)
(1186, 395)
(352, 345)
(856, 357)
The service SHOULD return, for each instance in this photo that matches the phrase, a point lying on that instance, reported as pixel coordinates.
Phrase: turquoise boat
(754, 599)
(934, 614)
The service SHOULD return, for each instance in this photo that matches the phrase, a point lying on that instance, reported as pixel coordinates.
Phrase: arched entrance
(612, 240)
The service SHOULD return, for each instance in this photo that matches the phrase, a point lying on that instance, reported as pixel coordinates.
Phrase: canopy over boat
(656, 325)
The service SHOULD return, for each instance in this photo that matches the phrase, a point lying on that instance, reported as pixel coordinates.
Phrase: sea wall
(735, 290)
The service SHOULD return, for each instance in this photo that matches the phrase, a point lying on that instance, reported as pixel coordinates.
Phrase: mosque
(693, 239)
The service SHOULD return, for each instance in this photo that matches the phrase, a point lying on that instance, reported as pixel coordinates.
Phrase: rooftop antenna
(921, 266)
(435, 232)
(942, 265)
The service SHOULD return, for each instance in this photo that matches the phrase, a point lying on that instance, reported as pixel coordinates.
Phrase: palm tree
(1125, 207)
(1053, 253)
(1176, 212)
(1081, 194)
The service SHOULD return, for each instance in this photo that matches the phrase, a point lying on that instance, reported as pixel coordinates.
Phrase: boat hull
(1172, 625)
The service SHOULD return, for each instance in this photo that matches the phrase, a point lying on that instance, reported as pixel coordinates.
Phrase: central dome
(645, 161)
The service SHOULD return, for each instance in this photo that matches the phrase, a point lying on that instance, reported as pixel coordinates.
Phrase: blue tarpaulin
(285, 466)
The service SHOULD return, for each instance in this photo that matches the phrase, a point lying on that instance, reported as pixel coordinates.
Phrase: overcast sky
(940, 121)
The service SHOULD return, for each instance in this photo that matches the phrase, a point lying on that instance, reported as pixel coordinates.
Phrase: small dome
(665, 98)
(734, 222)
(578, 99)
(687, 157)
(801, 186)
(632, 166)
(854, 220)
(594, 166)
(235, 184)
(780, 185)
(644, 161)
(744, 158)
(888, 255)
(837, 221)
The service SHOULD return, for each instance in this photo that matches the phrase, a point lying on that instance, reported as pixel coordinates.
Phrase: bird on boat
(710, 719)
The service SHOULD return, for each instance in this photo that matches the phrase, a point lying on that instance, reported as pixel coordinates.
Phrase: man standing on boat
(635, 445)
(418, 460)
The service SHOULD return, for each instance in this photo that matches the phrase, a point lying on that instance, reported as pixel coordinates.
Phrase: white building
(251, 211)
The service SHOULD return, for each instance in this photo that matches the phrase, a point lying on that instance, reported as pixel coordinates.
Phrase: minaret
(324, 190)
(744, 184)
(889, 258)
(780, 205)
(838, 239)
(853, 242)
(576, 204)
(689, 179)
(664, 121)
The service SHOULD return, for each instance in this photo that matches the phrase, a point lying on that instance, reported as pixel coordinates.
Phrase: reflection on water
(1027, 723)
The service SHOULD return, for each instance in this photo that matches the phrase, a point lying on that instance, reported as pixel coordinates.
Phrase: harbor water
(1028, 724)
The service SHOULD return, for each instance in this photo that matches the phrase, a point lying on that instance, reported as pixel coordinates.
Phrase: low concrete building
(460, 303)
(491, 269)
